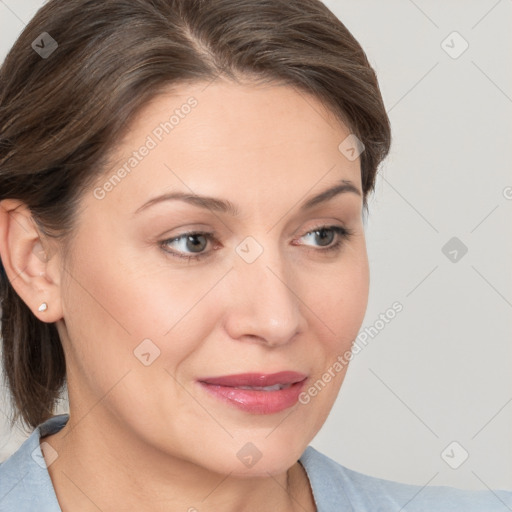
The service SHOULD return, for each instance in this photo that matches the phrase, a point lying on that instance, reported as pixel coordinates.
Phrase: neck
(107, 469)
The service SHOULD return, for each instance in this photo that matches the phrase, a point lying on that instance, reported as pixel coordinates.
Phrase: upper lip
(255, 379)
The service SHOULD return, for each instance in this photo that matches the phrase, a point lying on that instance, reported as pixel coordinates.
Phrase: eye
(194, 241)
(339, 235)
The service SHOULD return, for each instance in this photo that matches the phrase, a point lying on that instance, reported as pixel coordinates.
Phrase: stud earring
(43, 307)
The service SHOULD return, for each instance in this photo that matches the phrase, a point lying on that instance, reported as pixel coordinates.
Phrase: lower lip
(257, 402)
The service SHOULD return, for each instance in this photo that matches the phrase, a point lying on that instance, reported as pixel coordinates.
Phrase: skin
(150, 433)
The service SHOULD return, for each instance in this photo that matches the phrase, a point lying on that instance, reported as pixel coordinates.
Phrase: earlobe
(26, 261)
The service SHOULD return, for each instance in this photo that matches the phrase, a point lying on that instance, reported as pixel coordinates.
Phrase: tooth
(275, 387)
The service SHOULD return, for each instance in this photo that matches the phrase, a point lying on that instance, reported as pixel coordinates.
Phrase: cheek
(341, 299)
(128, 336)
(341, 296)
(119, 306)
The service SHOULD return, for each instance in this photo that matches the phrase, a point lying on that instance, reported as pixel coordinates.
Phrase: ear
(31, 269)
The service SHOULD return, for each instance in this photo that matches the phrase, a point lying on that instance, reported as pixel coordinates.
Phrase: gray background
(439, 371)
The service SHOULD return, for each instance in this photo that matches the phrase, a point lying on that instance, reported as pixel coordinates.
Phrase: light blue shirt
(26, 486)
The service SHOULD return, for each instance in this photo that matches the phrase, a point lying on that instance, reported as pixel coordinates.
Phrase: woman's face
(164, 353)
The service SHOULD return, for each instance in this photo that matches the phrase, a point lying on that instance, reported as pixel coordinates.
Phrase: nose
(263, 304)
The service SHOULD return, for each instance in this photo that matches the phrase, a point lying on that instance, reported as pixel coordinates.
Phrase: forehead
(248, 115)
(208, 138)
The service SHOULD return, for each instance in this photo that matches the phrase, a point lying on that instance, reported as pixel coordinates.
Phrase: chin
(258, 457)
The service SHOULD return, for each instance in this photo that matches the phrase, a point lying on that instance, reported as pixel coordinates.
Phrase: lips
(257, 393)
(256, 379)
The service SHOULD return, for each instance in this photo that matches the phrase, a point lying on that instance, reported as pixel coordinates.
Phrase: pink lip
(227, 388)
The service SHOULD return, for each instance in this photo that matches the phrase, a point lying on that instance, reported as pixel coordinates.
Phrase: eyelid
(211, 237)
(343, 235)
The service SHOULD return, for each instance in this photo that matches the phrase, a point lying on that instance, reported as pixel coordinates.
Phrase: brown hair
(61, 113)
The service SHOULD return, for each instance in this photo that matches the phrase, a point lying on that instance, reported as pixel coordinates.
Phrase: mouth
(256, 393)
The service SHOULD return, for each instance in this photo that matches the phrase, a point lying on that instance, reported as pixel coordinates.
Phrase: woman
(183, 185)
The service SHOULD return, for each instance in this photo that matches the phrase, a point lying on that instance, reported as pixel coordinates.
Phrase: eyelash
(344, 234)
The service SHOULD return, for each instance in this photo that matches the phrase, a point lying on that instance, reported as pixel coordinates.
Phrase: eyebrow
(225, 206)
